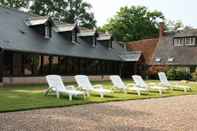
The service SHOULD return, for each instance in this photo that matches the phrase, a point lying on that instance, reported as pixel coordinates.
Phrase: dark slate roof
(167, 54)
(15, 35)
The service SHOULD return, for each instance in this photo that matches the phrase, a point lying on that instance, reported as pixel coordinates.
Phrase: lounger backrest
(117, 81)
(56, 82)
(83, 82)
(139, 81)
(163, 78)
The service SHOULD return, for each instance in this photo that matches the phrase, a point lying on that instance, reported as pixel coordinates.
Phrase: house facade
(34, 46)
(147, 48)
(177, 48)
(170, 49)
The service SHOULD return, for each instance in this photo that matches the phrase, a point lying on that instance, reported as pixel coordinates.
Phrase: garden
(28, 97)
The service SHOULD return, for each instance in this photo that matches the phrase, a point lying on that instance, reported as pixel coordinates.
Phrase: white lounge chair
(164, 82)
(139, 82)
(56, 85)
(120, 85)
(85, 84)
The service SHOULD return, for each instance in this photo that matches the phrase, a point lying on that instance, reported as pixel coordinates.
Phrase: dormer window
(47, 32)
(190, 41)
(184, 41)
(94, 42)
(41, 24)
(89, 35)
(157, 59)
(171, 59)
(74, 37)
(68, 31)
(105, 40)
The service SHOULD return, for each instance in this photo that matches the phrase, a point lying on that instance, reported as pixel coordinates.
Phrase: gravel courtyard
(173, 114)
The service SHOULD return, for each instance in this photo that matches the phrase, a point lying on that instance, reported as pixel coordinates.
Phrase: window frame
(184, 41)
(47, 31)
(74, 37)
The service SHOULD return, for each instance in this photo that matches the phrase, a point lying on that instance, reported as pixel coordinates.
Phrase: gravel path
(173, 114)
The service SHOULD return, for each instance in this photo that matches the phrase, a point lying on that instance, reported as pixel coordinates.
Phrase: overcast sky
(184, 10)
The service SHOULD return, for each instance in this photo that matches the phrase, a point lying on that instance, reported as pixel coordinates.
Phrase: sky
(183, 10)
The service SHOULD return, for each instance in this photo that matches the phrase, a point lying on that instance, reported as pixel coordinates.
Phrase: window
(74, 37)
(47, 32)
(157, 59)
(171, 59)
(94, 42)
(190, 41)
(185, 41)
(178, 42)
(110, 44)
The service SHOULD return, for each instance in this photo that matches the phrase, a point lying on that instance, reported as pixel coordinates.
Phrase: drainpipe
(1, 66)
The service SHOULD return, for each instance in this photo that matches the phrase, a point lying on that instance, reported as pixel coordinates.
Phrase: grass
(23, 97)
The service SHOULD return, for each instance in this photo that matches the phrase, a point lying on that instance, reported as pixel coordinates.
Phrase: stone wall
(42, 79)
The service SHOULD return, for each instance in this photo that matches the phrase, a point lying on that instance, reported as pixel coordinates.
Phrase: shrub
(153, 71)
(171, 74)
(178, 74)
(194, 76)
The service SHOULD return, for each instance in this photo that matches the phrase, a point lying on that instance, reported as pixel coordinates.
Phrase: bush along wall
(178, 73)
(194, 76)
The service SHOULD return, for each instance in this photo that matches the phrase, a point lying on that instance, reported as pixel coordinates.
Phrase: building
(147, 48)
(34, 46)
(177, 48)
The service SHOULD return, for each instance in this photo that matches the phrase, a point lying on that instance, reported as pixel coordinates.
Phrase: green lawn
(23, 97)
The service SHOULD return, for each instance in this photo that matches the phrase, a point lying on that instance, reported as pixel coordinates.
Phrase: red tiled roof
(147, 47)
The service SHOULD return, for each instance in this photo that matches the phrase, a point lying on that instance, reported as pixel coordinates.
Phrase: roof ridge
(143, 40)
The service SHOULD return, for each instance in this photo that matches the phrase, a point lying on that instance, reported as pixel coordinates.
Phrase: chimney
(161, 29)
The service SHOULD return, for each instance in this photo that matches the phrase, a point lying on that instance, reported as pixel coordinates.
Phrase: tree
(14, 3)
(65, 11)
(134, 23)
(173, 25)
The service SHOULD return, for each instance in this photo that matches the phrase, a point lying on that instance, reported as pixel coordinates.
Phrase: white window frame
(191, 42)
(74, 37)
(47, 32)
(178, 42)
(157, 59)
(171, 59)
(94, 42)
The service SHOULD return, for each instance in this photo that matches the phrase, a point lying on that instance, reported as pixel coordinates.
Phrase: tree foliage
(61, 10)
(65, 11)
(173, 25)
(134, 23)
(14, 3)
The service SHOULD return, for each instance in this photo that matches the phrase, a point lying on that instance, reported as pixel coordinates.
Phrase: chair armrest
(98, 86)
(71, 87)
(80, 88)
(130, 84)
(152, 84)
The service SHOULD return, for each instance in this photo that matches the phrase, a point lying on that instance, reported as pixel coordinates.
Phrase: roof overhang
(66, 28)
(104, 37)
(88, 33)
(132, 56)
(38, 20)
